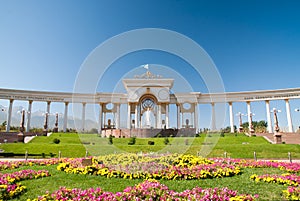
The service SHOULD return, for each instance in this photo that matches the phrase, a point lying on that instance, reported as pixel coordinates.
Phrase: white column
(192, 123)
(167, 115)
(104, 119)
(196, 117)
(270, 128)
(29, 116)
(159, 116)
(11, 101)
(136, 116)
(231, 117)
(100, 118)
(83, 116)
(249, 111)
(48, 107)
(182, 120)
(128, 116)
(213, 117)
(66, 117)
(288, 115)
(178, 116)
(118, 116)
(249, 114)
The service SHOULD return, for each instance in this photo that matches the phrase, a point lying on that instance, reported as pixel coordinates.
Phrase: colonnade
(29, 111)
(137, 118)
(249, 114)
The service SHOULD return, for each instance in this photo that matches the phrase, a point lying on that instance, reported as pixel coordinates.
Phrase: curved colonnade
(161, 111)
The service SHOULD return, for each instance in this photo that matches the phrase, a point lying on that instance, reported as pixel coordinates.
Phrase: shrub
(110, 139)
(132, 141)
(158, 135)
(56, 140)
(150, 142)
(166, 141)
(222, 134)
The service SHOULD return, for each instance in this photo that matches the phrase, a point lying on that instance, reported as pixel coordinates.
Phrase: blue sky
(254, 44)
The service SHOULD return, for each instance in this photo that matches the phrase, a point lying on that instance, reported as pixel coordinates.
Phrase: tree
(258, 126)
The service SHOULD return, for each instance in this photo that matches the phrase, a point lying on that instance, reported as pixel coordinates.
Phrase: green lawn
(242, 183)
(75, 145)
(236, 146)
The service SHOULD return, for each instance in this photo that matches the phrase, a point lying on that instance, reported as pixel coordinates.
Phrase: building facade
(148, 101)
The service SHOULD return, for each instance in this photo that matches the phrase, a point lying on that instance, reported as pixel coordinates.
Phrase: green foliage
(132, 141)
(110, 139)
(166, 141)
(56, 141)
(258, 126)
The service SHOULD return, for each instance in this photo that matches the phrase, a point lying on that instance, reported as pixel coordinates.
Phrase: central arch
(148, 111)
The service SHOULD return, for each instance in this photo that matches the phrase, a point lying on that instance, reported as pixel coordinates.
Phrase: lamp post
(22, 127)
(277, 135)
(239, 114)
(45, 130)
(55, 130)
(276, 127)
(251, 129)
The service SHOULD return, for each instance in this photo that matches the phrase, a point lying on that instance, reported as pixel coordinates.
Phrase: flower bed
(147, 190)
(168, 167)
(292, 193)
(284, 179)
(9, 188)
(4, 165)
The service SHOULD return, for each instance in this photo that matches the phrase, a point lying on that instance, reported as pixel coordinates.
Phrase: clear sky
(254, 44)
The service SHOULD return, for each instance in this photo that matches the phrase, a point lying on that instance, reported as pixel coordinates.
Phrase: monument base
(277, 138)
(21, 137)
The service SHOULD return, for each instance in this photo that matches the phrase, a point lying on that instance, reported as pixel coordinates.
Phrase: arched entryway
(148, 109)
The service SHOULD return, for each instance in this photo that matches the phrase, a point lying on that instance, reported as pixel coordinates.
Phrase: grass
(236, 146)
(242, 183)
(75, 145)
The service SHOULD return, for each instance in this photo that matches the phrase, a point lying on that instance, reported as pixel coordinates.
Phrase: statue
(147, 118)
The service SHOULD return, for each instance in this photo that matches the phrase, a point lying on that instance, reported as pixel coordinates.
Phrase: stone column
(159, 116)
(11, 101)
(100, 118)
(231, 117)
(178, 116)
(213, 117)
(136, 116)
(29, 115)
(167, 115)
(104, 119)
(249, 112)
(196, 117)
(118, 116)
(129, 116)
(288, 115)
(270, 128)
(83, 116)
(66, 117)
(48, 107)
(192, 119)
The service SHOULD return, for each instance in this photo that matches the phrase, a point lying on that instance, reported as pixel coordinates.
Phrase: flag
(146, 66)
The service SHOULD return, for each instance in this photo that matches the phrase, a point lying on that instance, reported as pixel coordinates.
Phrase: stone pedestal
(277, 138)
(21, 137)
(87, 162)
(45, 132)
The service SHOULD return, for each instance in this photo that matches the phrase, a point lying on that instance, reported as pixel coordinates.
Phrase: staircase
(288, 138)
